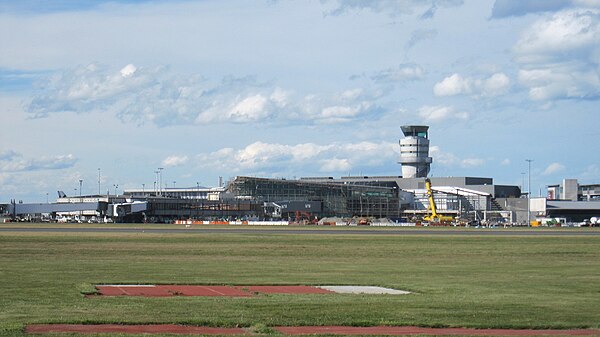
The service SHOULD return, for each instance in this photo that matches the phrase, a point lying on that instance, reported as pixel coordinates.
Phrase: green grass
(457, 280)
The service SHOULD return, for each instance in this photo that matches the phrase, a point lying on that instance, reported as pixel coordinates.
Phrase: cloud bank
(508, 8)
(495, 85)
(449, 159)
(393, 8)
(559, 56)
(305, 157)
(160, 97)
(11, 161)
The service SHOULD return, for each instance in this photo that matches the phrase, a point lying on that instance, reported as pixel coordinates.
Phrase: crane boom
(434, 216)
(432, 205)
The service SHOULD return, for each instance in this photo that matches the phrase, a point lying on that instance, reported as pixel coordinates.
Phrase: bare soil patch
(170, 290)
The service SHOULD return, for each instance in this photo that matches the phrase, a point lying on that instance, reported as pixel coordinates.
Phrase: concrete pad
(301, 289)
(364, 290)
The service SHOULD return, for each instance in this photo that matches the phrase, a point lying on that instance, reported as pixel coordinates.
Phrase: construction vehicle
(305, 218)
(434, 217)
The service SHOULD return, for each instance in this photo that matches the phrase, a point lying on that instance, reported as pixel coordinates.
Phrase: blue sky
(290, 89)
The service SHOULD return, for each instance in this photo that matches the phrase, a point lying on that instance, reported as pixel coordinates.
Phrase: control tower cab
(414, 151)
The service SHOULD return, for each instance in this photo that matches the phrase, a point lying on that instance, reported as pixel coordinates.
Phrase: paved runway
(310, 231)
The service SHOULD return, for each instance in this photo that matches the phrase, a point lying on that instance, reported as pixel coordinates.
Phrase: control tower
(414, 151)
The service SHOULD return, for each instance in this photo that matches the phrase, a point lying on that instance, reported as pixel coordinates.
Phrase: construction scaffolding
(337, 199)
(463, 204)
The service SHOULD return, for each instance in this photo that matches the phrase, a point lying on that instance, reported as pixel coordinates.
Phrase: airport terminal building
(403, 197)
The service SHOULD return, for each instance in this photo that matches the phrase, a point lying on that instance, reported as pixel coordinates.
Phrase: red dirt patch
(201, 290)
(304, 330)
(170, 290)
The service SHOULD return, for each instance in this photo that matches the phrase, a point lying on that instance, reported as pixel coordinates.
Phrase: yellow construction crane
(434, 217)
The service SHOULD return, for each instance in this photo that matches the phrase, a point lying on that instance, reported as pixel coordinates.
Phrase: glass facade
(369, 199)
(167, 209)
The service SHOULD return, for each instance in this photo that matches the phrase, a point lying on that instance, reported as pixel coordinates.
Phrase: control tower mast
(414, 151)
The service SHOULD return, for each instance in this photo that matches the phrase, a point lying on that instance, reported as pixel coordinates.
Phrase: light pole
(98, 181)
(116, 186)
(46, 197)
(529, 193)
(144, 190)
(160, 180)
(80, 201)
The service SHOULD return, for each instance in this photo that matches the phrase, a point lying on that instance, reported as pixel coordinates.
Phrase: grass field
(458, 280)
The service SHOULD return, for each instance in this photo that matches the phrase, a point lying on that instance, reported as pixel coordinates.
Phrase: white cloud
(342, 112)
(336, 157)
(591, 173)
(508, 8)
(335, 165)
(496, 84)
(472, 162)
(175, 161)
(280, 97)
(438, 113)
(404, 72)
(161, 97)
(559, 82)
(441, 157)
(11, 161)
(505, 162)
(87, 88)
(252, 108)
(553, 168)
(450, 159)
(393, 7)
(559, 56)
(347, 106)
(128, 70)
(452, 85)
(567, 33)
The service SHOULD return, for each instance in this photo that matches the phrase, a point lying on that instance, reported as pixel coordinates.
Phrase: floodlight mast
(160, 180)
(529, 194)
